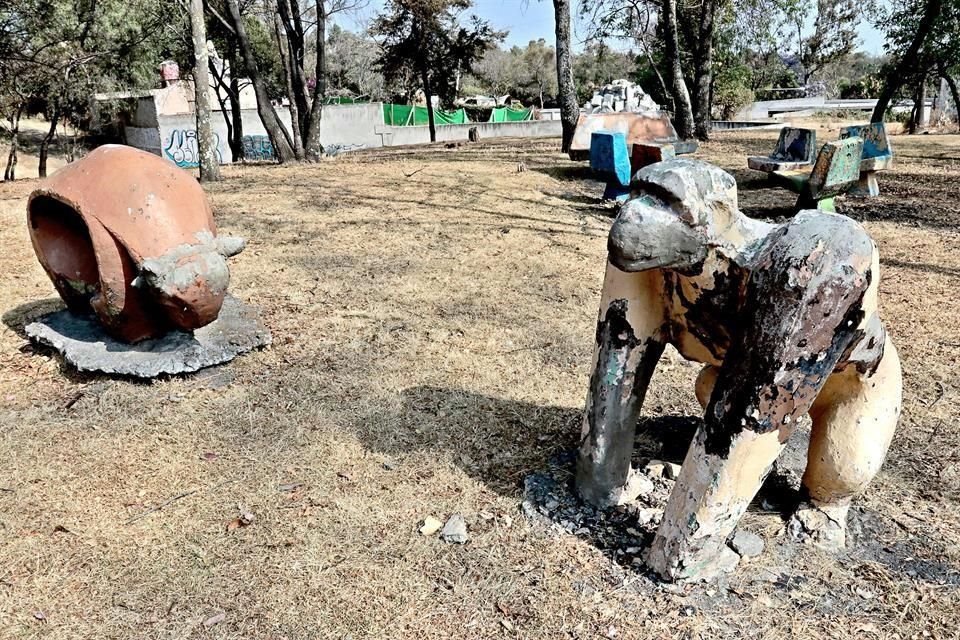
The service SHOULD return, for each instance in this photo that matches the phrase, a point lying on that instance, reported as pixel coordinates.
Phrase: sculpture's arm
(629, 344)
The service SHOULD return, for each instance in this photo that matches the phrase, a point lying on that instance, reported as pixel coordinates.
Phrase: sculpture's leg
(805, 308)
(827, 204)
(706, 381)
(867, 186)
(854, 418)
(629, 344)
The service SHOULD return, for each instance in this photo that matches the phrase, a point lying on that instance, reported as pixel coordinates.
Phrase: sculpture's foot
(637, 484)
(824, 526)
(693, 567)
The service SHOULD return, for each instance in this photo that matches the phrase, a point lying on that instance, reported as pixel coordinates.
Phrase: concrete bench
(836, 171)
(646, 128)
(877, 155)
(609, 158)
(796, 149)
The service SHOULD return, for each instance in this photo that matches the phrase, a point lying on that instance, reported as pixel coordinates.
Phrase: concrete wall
(396, 136)
(344, 128)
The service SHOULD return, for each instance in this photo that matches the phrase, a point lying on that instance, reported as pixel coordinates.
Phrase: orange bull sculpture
(130, 237)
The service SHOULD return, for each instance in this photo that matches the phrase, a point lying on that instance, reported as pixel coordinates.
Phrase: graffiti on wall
(181, 148)
(258, 148)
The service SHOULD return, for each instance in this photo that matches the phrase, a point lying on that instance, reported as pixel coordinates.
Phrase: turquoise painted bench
(796, 149)
(877, 155)
(836, 171)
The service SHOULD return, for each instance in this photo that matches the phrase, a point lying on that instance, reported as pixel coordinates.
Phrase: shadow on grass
(527, 452)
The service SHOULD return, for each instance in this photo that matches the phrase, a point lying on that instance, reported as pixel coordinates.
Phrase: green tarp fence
(404, 115)
(506, 114)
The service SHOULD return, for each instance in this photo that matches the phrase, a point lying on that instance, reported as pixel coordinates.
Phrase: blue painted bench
(610, 158)
(796, 149)
(877, 155)
(835, 171)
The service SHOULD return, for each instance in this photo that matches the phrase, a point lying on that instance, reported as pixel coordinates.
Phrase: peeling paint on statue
(785, 320)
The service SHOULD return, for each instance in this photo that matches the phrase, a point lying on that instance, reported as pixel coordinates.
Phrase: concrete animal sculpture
(784, 318)
(131, 237)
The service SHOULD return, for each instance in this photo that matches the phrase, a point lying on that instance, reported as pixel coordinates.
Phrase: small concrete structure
(609, 158)
(796, 149)
(836, 171)
(653, 128)
(784, 319)
(877, 155)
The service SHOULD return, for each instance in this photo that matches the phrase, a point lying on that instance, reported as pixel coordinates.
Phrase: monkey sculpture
(784, 318)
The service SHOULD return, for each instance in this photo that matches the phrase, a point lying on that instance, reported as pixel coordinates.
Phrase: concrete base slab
(84, 344)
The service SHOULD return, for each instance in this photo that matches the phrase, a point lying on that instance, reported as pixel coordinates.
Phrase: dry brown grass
(441, 322)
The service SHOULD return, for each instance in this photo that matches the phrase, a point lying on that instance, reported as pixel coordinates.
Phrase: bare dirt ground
(433, 315)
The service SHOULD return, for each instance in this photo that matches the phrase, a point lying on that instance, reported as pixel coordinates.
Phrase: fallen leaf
(212, 620)
(507, 625)
(61, 529)
(39, 615)
(209, 455)
(344, 475)
(236, 523)
(289, 487)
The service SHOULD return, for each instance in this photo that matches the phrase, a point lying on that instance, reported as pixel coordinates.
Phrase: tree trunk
(896, 74)
(569, 109)
(10, 173)
(45, 143)
(209, 163)
(287, 63)
(919, 100)
(703, 71)
(425, 79)
(277, 133)
(236, 114)
(683, 113)
(221, 88)
(954, 91)
(289, 12)
(314, 148)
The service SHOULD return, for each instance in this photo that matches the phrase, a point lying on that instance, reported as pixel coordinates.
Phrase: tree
(569, 109)
(424, 39)
(683, 110)
(497, 69)
(905, 39)
(351, 64)
(54, 54)
(834, 33)
(630, 19)
(209, 166)
(538, 63)
(279, 137)
(306, 104)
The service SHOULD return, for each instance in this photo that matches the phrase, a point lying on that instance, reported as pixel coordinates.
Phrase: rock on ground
(455, 531)
(747, 544)
(430, 526)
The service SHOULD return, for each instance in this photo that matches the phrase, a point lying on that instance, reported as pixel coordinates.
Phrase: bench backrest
(837, 167)
(636, 127)
(796, 145)
(609, 155)
(874, 136)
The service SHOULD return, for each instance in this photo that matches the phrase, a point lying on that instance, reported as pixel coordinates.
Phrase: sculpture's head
(130, 237)
(679, 209)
